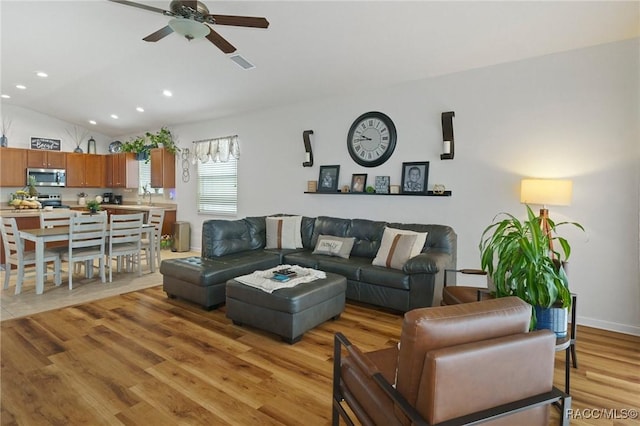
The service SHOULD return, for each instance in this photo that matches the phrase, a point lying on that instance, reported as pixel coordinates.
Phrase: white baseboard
(608, 325)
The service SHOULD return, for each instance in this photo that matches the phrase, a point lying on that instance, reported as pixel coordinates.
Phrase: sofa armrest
(426, 263)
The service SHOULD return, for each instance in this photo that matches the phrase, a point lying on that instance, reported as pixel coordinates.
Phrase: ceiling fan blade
(160, 34)
(220, 42)
(142, 6)
(241, 21)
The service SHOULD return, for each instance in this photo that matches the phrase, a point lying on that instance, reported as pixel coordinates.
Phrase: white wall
(571, 115)
(574, 115)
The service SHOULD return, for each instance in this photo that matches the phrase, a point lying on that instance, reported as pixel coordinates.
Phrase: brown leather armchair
(454, 365)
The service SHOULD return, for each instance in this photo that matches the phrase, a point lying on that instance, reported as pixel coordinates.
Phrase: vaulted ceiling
(98, 64)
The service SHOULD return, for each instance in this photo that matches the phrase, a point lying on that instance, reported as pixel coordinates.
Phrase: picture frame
(382, 184)
(328, 178)
(358, 182)
(415, 177)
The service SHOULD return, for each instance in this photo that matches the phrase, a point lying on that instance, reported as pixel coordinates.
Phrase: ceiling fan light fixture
(189, 29)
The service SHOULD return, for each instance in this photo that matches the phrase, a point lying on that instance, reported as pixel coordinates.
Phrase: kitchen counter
(7, 211)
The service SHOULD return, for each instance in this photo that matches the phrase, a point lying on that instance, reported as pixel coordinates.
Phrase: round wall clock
(371, 139)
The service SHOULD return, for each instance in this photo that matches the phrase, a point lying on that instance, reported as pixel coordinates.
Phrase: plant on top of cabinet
(163, 138)
(142, 145)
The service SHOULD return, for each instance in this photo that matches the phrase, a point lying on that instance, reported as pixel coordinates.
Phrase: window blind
(218, 187)
(144, 177)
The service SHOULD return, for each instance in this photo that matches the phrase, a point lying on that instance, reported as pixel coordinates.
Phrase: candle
(447, 147)
(307, 157)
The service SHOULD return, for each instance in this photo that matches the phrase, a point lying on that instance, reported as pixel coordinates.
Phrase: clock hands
(363, 138)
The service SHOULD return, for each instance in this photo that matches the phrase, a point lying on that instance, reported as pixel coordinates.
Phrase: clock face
(371, 139)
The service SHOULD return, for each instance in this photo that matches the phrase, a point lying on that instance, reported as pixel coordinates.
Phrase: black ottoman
(203, 280)
(287, 312)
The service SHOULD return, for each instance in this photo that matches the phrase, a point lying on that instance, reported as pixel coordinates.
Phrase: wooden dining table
(41, 236)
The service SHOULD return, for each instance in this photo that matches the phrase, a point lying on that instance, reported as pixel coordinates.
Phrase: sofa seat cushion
(348, 268)
(206, 272)
(302, 258)
(379, 275)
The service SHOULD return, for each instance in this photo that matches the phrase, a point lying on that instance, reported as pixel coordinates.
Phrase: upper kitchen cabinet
(163, 169)
(121, 170)
(13, 167)
(85, 170)
(46, 159)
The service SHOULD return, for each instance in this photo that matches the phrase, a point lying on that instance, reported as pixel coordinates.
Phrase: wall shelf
(428, 194)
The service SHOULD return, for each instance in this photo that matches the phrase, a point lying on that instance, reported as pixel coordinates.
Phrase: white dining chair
(87, 235)
(156, 218)
(55, 219)
(14, 254)
(125, 234)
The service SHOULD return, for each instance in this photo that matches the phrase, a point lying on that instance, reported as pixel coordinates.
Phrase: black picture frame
(358, 182)
(328, 178)
(382, 184)
(415, 182)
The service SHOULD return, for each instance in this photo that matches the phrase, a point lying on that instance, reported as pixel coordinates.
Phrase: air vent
(242, 62)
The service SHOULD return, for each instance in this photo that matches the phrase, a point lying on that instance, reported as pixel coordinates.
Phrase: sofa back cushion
(223, 237)
(329, 226)
(368, 236)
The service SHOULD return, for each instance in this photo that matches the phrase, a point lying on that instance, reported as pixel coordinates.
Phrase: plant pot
(82, 201)
(554, 319)
(142, 155)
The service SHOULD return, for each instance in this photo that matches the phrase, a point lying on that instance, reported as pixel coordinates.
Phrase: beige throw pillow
(334, 246)
(395, 250)
(284, 232)
(421, 238)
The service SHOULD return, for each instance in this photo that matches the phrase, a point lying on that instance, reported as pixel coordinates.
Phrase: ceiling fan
(190, 19)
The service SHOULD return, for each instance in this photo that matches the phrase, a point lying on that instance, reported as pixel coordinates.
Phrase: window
(218, 187)
(144, 177)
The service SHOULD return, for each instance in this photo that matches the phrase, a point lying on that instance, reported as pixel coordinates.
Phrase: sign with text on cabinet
(45, 144)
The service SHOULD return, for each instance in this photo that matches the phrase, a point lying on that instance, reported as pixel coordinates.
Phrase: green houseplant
(518, 258)
(142, 145)
(93, 206)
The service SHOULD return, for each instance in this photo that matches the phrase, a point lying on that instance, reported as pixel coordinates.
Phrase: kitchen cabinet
(46, 159)
(121, 170)
(163, 169)
(85, 170)
(13, 167)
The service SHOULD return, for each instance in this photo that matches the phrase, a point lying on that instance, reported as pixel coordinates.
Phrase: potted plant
(142, 145)
(518, 258)
(138, 146)
(93, 206)
(163, 138)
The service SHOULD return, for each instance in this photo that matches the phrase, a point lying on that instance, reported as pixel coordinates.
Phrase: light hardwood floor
(142, 359)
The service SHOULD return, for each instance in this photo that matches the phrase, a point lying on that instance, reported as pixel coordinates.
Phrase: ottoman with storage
(287, 312)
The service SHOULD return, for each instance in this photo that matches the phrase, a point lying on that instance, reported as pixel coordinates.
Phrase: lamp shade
(547, 192)
(188, 28)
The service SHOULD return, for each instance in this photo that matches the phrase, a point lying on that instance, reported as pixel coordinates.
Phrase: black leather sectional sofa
(231, 248)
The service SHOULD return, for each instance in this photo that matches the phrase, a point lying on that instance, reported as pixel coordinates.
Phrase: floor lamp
(546, 192)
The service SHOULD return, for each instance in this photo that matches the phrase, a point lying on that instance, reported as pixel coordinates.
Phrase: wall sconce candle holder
(308, 158)
(448, 146)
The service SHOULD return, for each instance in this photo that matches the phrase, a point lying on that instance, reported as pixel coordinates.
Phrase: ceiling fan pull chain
(185, 165)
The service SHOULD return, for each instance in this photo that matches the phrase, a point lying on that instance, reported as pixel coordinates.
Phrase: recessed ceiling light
(42, 74)
(21, 86)
(167, 93)
(139, 109)
(3, 96)
(92, 122)
(115, 117)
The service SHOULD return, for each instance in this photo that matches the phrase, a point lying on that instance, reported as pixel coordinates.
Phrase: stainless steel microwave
(48, 177)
